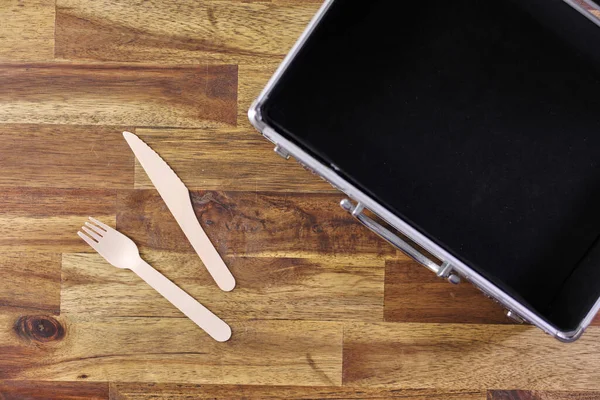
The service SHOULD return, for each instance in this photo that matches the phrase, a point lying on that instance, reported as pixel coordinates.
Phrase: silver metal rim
(402, 226)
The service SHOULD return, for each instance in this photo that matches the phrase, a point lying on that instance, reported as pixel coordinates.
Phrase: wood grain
(226, 159)
(253, 224)
(48, 219)
(61, 156)
(314, 286)
(251, 81)
(192, 96)
(415, 294)
(478, 356)
(171, 350)
(30, 282)
(230, 31)
(27, 30)
(40, 390)
(536, 395)
(300, 289)
(141, 391)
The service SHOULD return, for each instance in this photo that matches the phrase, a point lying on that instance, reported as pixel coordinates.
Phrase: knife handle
(208, 254)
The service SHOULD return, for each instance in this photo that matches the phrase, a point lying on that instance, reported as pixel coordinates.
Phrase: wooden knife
(177, 197)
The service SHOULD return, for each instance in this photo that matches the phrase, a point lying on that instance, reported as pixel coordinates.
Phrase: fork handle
(202, 316)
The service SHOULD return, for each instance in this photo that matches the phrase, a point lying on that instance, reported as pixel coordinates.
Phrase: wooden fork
(122, 252)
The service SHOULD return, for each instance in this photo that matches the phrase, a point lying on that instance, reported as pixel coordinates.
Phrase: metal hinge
(514, 316)
(282, 152)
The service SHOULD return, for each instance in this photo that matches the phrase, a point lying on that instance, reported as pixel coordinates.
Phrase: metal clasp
(282, 152)
(514, 316)
(443, 271)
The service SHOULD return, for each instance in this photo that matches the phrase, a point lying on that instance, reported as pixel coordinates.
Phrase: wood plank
(226, 159)
(253, 224)
(63, 156)
(463, 356)
(537, 395)
(317, 289)
(142, 391)
(171, 350)
(230, 31)
(415, 294)
(132, 95)
(251, 81)
(30, 282)
(39, 390)
(27, 30)
(48, 219)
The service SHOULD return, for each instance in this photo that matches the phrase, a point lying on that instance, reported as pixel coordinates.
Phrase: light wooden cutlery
(177, 198)
(122, 252)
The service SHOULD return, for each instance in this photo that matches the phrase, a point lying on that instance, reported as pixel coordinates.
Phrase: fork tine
(96, 229)
(93, 234)
(88, 240)
(101, 224)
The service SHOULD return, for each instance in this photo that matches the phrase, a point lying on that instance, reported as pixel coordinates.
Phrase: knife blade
(177, 198)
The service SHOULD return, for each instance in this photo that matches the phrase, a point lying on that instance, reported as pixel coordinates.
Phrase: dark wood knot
(39, 328)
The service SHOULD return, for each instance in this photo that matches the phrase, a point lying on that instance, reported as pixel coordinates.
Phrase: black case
(472, 128)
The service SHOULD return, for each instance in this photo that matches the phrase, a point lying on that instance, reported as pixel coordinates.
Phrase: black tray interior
(476, 121)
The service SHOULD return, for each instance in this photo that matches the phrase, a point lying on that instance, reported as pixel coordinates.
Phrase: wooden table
(323, 308)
